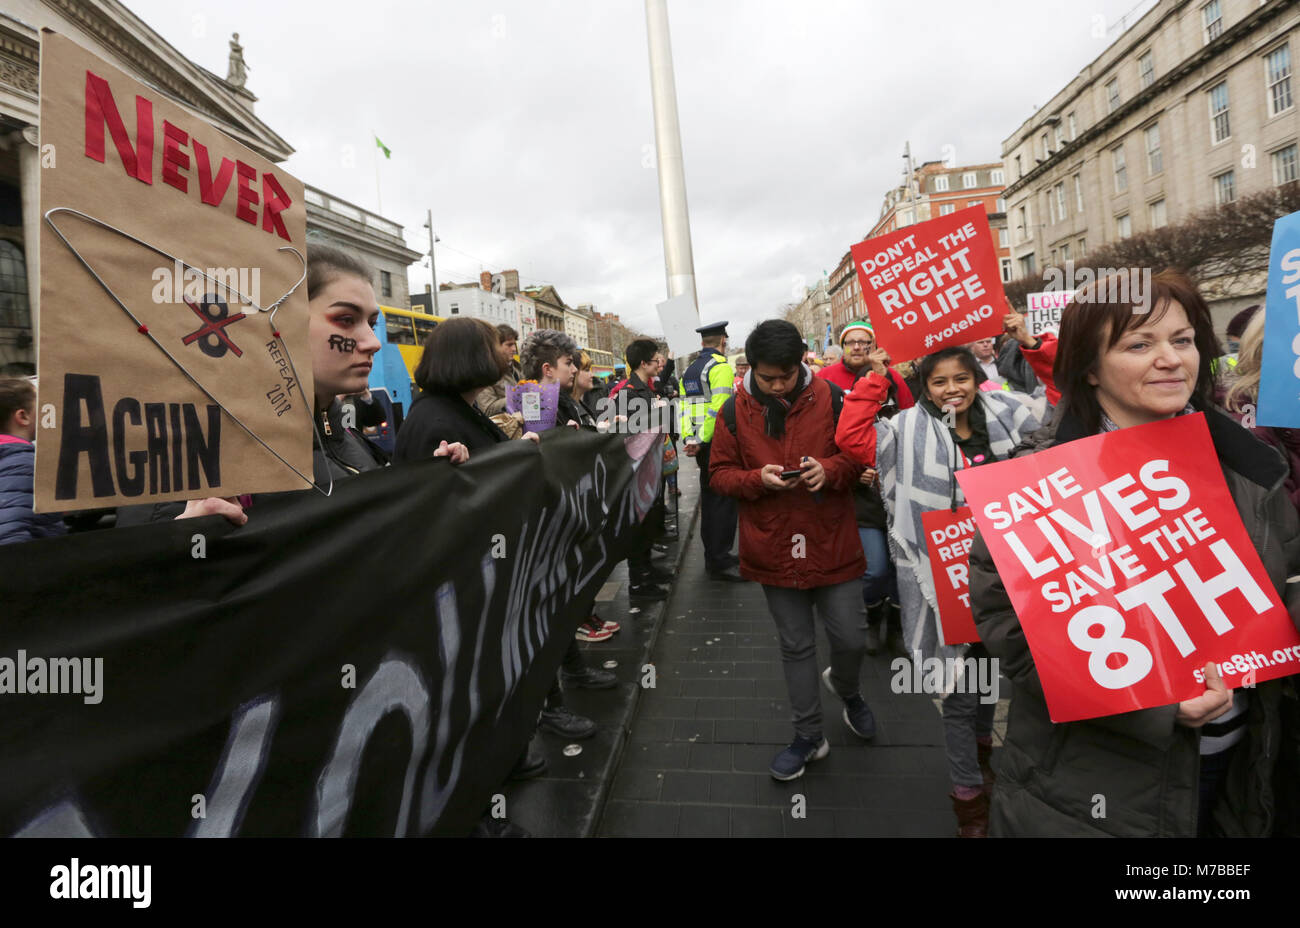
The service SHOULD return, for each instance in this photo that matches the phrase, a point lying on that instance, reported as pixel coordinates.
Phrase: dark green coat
(1144, 764)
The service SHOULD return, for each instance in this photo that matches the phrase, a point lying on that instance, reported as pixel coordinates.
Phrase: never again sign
(165, 243)
(1130, 569)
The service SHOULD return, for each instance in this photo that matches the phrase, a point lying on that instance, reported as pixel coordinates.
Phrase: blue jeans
(880, 581)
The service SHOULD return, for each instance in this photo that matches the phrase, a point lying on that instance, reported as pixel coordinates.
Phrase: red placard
(1128, 565)
(948, 537)
(932, 284)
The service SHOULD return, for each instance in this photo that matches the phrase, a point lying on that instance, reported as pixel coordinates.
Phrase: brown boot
(972, 816)
(985, 753)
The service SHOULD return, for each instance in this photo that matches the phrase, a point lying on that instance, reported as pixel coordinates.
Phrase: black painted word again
(345, 345)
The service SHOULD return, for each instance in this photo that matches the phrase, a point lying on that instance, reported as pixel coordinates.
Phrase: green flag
(383, 147)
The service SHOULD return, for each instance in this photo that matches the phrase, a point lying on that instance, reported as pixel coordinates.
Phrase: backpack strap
(728, 414)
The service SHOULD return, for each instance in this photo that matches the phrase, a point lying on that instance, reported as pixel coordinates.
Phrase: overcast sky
(527, 126)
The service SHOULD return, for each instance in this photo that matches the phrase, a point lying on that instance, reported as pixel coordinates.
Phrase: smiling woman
(1205, 766)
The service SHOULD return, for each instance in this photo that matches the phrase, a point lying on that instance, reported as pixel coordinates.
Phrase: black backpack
(728, 412)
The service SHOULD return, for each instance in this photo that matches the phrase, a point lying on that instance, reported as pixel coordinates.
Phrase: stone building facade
(1192, 107)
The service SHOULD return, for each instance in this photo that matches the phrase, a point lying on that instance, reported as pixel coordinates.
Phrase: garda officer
(706, 385)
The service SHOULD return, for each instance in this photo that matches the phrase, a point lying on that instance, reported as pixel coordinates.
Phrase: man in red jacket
(774, 450)
(858, 340)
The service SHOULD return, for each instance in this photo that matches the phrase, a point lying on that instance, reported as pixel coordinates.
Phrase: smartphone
(791, 474)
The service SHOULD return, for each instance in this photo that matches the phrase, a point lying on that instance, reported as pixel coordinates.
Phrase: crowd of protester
(847, 451)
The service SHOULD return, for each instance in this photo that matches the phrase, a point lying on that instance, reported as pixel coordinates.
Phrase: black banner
(371, 663)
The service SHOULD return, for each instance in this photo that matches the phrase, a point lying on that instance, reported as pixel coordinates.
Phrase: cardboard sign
(932, 284)
(1279, 383)
(1130, 569)
(948, 537)
(1044, 311)
(680, 319)
(148, 409)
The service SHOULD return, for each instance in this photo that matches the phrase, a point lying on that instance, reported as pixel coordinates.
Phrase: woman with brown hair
(1203, 766)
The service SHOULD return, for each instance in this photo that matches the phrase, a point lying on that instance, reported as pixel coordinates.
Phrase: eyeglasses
(857, 344)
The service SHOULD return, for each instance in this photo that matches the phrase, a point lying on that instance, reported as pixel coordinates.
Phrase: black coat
(438, 417)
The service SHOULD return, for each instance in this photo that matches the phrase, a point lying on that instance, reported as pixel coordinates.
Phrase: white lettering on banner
(239, 770)
(103, 881)
(396, 685)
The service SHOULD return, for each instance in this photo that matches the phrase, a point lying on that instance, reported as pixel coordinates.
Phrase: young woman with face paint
(1226, 762)
(917, 454)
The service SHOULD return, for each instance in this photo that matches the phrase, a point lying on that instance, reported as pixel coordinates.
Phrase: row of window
(1277, 81)
(970, 179)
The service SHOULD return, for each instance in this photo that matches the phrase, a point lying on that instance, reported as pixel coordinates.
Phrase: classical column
(29, 171)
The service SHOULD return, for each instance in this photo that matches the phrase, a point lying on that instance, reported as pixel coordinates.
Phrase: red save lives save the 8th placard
(948, 537)
(1129, 568)
(932, 284)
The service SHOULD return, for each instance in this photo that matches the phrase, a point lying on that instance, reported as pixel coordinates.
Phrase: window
(1052, 260)
(997, 177)
(1157, 214)
(14, 307)
(385, 283)
(1003, 239)
(1278, 69)
(1060, 200)
(1060, 136)
(1065, 252)
(1123, 226)
(455, 309)
(1078, 193)
(1155, 160)
(1121, 169)
(1027, 265)
(1212, 16)
(1225, 187)
(1019, 171)
(946, 209)
(1083, 247)
(1284, 165)
(1112, 95)
(1006, 270)
(974, 202)
(1002, 204)
(1074, 127)
(423, 330)
(1051, 207)
(968, 180)
(1146, 69)
(1220, 128)
(941, 182)
(399, 330)
(1022, 226)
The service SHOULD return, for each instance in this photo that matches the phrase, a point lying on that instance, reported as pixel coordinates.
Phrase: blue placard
(1279, 382)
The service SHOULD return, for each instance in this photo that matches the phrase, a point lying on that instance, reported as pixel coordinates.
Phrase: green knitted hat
(856, 325)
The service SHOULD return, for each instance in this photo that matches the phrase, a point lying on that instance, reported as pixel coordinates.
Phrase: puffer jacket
(1144, 764)
(772, 521)
(18, 521)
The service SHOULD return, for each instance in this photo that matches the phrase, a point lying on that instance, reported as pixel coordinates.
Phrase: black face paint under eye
(345, 345)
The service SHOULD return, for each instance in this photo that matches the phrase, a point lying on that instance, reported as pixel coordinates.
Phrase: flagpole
(379, 200)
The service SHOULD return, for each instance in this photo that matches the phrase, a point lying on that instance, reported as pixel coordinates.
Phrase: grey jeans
(840, 609)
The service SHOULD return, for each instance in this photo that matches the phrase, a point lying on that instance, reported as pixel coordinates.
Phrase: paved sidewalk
(702, 739)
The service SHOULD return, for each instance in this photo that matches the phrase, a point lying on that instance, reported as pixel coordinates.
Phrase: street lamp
(433, 267)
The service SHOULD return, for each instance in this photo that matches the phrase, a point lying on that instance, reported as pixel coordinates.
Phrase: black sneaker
(589, 679)
(560, 721)
(532, 763)
(647, 592)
